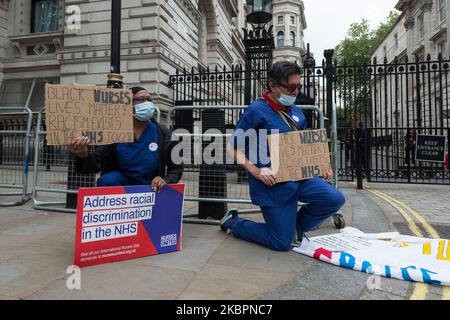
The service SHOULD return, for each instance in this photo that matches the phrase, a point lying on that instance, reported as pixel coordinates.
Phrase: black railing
(378, 106)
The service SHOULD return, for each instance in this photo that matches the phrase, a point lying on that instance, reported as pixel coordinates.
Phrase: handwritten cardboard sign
(299, 155)
(104, 115)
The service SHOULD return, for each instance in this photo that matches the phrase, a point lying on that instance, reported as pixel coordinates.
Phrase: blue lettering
(87, 203)
(405, 273)
(427, 278)
(347, 260)
(366, 267)
(387, 270)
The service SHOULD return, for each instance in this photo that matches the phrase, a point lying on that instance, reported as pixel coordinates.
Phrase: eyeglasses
(143, 99)
(292, 87)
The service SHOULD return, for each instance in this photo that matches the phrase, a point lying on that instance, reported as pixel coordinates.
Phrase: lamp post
(258, 43)
(259, 12)
(115, 78)
(309, 63)
(76, 180)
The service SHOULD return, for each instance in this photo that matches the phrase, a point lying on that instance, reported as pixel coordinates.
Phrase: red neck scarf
(274, 105)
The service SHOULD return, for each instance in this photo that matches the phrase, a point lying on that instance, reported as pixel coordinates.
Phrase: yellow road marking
(446, 293)
(420, 291)
(430, 230)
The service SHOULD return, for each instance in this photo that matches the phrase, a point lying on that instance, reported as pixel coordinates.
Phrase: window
(44, 16)
(280, 39)
(292, 20)
(420, 57)
(280, 19)
(441, 8)
(441, 48)
(396, 41)
(292, 39)
(420, 26)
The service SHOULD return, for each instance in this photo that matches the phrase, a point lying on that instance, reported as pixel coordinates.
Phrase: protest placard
(299, 155)
(122, 223)
(104, 115)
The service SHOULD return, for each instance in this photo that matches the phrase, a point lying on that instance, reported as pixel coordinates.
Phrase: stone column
(428, 25)
(447, 22)
(409, 26)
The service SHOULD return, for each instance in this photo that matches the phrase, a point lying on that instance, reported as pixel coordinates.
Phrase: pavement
(36, 248)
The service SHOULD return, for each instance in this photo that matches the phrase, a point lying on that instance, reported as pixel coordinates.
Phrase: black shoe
(226, 224)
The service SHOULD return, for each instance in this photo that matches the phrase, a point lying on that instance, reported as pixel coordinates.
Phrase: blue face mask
(287, 100)
(144, 111)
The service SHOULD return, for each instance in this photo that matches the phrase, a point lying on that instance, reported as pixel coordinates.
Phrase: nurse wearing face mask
(145, 161)
(275, 112)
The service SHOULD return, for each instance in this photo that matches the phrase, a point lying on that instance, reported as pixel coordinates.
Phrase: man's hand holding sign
(300, 155)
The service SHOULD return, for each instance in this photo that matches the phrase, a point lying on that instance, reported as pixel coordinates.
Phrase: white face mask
(144, 111)
(286, 100)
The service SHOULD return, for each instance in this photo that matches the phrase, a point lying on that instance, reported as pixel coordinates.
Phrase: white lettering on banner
(169, 240)
(117, 216)
(114, 216)
(98, 233)
(116, 201)
(390, 255)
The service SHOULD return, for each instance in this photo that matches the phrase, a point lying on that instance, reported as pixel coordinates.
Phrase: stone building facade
(421, 101)
(68, 41)
(423, 28)
(289, 23)
(394, 43)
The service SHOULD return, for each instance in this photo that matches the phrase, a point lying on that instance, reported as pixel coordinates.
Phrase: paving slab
(121, 280)
(227, 282)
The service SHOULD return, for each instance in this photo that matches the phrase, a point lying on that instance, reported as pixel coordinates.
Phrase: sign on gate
(299, 155)
(122, 223)
(104, 115)
(430, 148)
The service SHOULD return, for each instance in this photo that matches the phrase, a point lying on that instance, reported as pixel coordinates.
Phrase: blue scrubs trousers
(113, 179)
(322, 201)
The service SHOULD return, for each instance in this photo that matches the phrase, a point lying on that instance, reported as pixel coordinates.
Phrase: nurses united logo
(296, 119)
(153, 147)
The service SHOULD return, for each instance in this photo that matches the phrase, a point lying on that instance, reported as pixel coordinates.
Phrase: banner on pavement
(104, 115)
(299, 155)
(385, 254)
(122, 223)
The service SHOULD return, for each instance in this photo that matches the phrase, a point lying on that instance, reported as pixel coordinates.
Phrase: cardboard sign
(122, 223)
(104, 115)
(299, 155)
(430, 148)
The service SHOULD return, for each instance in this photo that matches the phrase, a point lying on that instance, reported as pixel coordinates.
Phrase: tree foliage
(352, 55)
(361, 41)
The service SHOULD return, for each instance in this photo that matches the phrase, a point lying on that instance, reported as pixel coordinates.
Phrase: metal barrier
(50, 173)
(14, 154)
(237, 190)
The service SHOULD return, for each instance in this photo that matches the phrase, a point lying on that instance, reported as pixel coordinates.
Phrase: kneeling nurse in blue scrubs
(146, 161)
(276, 113)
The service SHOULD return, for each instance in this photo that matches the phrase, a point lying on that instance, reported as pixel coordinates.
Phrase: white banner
(386, 254)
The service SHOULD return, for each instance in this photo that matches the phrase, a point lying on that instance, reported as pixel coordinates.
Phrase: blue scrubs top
(260, 115)
(138, 161)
